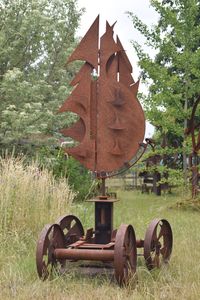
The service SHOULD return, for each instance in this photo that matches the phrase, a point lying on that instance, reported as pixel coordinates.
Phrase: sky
(115, 10)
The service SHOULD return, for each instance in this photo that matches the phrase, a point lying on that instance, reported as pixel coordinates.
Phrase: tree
(35, 37)
(173, 75)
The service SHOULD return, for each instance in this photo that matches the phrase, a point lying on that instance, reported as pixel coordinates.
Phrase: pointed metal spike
(134, 87)
(76, 132)
(112, 26)
(87, 49)
(124, 62)
(78, 151)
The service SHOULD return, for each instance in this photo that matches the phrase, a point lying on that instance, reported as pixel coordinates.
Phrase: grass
(29, 197)
(29, 200)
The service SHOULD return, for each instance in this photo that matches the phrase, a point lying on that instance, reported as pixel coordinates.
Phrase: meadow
(30, 198)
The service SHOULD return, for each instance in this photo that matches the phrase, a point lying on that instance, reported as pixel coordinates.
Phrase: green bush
(79, 178)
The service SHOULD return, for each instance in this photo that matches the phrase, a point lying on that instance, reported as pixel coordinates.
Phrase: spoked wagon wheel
(71, 227)
(125, 253)
(51, 238)
(158, 243)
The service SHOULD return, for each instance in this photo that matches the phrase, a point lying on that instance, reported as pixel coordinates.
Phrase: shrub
(79, 178)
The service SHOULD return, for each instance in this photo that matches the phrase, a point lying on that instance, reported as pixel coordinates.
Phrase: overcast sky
(112, 10)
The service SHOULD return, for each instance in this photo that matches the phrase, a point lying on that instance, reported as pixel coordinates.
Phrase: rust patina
(109, 133)
(111, 126)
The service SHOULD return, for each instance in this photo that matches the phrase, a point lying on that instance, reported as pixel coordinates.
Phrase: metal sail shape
(112, 124)
(87, 50)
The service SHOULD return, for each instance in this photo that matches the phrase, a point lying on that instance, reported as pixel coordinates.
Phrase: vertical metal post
(103, 187)
(156, 186)
(103, 217)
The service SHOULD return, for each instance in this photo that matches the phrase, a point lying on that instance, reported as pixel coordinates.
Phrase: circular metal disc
(158, 243)
(125, 253)
(71, 227)
(51, 238)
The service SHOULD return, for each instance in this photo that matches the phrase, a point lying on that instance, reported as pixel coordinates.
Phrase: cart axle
(84, 254)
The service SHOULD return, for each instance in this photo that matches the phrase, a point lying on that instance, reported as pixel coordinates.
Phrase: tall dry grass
(30, 197)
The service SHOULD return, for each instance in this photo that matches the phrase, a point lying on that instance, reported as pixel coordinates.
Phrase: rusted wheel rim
(125, 253)
(51, 238)
(71, 227)
(158, 243)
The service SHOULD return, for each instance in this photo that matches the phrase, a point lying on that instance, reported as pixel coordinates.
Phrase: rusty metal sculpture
(110, 134)
(194, 130)
(152, 178)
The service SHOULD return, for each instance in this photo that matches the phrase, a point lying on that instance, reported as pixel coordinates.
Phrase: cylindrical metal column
(84, 254)
(103, 222)
(140, 243)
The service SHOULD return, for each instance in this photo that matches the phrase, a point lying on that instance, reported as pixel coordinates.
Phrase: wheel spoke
(129, 250)
(156, 261)
(66, 224)
(158, 241)
(51, 238)
(74, 229)
(71, 225)
(163, 251)
(46, 244)
(162, 231)
(125, 253)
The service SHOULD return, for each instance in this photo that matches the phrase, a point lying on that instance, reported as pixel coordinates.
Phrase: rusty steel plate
(125, 254)
(111, 127)
(51, 238)
(71, 227)
(158, 243)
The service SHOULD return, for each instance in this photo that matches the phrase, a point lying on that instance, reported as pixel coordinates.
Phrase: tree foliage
(35, 37)
(173, 74)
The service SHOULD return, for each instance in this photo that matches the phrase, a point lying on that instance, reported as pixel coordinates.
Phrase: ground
(180, 279)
